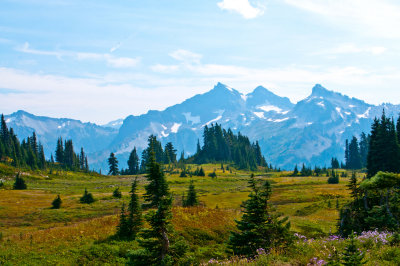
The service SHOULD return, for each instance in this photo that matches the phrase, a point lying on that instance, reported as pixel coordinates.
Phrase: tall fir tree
(259, 227)
(113, 165)
(191, 197)
(134, 218)
(133, 163)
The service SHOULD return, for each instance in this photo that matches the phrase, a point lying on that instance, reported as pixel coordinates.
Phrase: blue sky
(102, 60)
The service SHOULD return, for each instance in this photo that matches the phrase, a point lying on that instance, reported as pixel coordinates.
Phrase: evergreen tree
(295, 171)
(201, 172)
(259, 228)
(87, 197)
(135, 212)
(60, 151)
(354, 155)
(346, 153)
(352, 256)
(133, 163)
(157, 246)
(123, 231)
(364, 145)
(56, 204)
(19, 183)
(170, 153)
(157, 188)
(113, 165)
(117, 193)
(191, 198)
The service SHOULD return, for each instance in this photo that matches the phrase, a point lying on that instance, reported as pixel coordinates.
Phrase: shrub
(56, 202)
(117, 193)
(87, 197)
(19, 182)
(212, 175)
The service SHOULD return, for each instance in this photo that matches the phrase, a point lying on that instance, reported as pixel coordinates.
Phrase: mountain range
(311, 131)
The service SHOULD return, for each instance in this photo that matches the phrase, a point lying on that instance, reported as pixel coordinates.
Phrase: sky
(103, 60)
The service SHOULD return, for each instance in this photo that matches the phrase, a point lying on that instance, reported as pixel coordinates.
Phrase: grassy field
(31, 233)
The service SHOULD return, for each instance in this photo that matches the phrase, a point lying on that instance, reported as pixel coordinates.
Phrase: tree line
(30, 153)
(375, 200)
(220, 145)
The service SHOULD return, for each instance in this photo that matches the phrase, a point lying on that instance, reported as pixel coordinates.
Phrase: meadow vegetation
(33, 232)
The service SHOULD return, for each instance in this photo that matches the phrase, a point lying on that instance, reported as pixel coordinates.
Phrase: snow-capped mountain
(311, 131)
(87, 135)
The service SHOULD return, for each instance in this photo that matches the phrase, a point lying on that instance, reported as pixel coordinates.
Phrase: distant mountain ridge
(310, 131)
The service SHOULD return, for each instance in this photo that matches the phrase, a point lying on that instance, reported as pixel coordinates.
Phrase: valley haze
(312, 131)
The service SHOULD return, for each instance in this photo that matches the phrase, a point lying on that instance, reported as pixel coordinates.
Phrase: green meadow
(32, 233)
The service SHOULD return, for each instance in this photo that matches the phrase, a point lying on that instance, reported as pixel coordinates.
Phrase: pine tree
(87, 197)
(113, 165)
(364, 145)
(191, 198)
(354, 155)
(133, 163)
(56, 204)
(135, 212)
(60, 151)
(201, 172)
(259, 228)
(117, 193)
(352, 256)
(156, 244)
(346, 153)
(295, 171)
(158, 186)
(19, 183)
(123, 231)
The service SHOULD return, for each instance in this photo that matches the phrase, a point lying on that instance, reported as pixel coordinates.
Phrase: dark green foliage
(117, 193)
(153, 146)
(19, 183)
(375, 205)
(56, 204)
(259, 228)
(305, 171)
(384, 151)
(157, 188)
(130, 220)
(68, 159)
(113, 165)
(334, 178)
(134, 212)
(29, 153)
(157, 245)
(212, 175)
(133, 163)
(169, 154)
(334, 163)
(354, 161)
(191, 198)
(295, 171)
(352, 256)
(183, 173)
(122, 227)
(87, 197)
(224, 146)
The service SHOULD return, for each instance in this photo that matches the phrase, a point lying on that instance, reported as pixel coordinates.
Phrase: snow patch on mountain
(190, 118)
(269, 108)
(259, 114)
(366, 114)
(175, 127)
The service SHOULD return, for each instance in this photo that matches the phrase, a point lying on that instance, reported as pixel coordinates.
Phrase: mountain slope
(310, 131)
(88, 135)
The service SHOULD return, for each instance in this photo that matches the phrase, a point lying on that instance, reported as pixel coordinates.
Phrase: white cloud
(373, 17)
(350, 48)
(243, 7)
(186, 56)
(112, 61)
